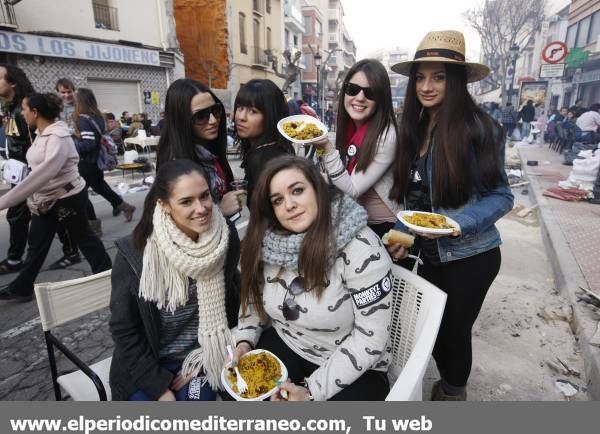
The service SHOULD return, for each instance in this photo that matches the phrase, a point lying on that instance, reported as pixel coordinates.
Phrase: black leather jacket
(18, 135)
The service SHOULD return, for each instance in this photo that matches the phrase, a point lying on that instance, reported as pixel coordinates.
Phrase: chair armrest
(80, 364)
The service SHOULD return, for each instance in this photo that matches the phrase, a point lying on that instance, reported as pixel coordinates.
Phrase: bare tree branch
(500, 25)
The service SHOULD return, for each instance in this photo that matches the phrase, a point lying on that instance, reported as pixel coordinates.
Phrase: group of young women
(315, 285)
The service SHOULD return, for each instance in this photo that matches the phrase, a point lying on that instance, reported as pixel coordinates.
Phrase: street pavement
(571, 233)
(511, 341)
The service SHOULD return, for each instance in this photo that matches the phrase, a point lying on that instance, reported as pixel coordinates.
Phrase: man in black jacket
(527, 115)
(14, 86)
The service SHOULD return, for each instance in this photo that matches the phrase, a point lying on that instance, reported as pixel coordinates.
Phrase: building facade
(329, 36)
(293, 33)
(225, 42)
(126, 51)
(398, 82)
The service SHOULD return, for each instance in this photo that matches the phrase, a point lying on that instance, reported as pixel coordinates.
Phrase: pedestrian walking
(366, 140)
(175, 292)
(195, 129)
(450, 160)
(527, 115)
(509, 119)
(14, 86)
(55, 194)
(258, 106)
(306, 246)
(89, 129)
(66, 91)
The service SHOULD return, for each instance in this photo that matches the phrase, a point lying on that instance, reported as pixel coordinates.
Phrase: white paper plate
(421, 229)
(307, 119)
(229, 389)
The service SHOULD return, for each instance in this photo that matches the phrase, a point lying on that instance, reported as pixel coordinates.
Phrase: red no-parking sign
(555, 52)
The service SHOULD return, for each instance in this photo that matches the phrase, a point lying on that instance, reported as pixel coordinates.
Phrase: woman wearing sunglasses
(259, 105)
(314, 271)
(360, 162)
(195, 129)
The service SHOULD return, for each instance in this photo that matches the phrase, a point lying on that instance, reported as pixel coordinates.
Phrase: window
(287, 38)
(268, 6)
(595, 28)
(257, 6)
(571, 35)
(268, 38)
(308, 26)
(582, 33)
(296, 41)
(318, 29)
(105, 17)
(243, 47)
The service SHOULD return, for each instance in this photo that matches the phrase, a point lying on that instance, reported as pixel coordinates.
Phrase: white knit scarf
(170, 258)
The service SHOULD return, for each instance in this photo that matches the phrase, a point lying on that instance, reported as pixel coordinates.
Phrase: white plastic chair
(416, 316)
(60, 303)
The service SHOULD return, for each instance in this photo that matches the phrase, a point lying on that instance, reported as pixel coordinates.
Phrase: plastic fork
(242, 386)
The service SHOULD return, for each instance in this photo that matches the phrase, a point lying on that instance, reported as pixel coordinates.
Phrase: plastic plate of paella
(261, 369)
(423, 222)
(302, 129)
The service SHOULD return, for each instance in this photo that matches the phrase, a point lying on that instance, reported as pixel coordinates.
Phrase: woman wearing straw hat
(450, 160)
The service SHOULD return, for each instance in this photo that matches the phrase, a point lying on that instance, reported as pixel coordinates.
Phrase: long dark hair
(466, 143)
(165, 179)
(86, 104)
(382, 120)
(317, 244)
(266, 97)
(23, 87)
(177, 138)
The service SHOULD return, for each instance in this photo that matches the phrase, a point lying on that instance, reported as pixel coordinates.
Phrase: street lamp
(318, 59)
(514, 54)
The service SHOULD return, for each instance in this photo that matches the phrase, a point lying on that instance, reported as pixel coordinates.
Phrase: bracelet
(337, 174)
(245, 341)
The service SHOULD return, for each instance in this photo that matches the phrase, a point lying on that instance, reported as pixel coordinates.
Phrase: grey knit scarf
(348, 218)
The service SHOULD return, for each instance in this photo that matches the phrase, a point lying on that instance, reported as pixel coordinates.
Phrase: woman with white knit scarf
(316, 288)
(175, 294)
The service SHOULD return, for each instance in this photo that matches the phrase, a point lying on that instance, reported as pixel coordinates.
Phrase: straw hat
(447, 46)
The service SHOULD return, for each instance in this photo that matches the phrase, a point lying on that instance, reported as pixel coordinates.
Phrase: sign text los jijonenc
(23, 43)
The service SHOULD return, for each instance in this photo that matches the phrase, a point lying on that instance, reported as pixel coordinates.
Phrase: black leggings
(466, 282)
(371, 386)
(94, 179)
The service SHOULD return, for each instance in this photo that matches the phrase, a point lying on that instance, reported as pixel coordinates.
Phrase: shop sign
(577, 57)
(24, 43)
(552, 70)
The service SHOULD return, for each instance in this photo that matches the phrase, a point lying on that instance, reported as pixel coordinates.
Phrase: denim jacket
(477, 217)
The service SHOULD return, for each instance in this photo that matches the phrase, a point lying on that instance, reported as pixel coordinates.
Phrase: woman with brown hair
(314, 271)
(450, 160)
(360, 162)
(89, 128)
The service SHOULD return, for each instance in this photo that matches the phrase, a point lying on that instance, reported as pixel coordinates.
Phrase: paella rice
(301, 130)
(261, 372)
(432, 221)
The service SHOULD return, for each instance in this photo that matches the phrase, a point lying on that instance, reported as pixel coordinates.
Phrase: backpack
(107, 154)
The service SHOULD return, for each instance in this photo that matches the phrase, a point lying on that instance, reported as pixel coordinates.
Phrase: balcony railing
(260, 58)
(7, 16)
(105, 17)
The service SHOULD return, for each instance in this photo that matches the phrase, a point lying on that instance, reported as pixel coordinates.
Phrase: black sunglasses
(291, 309)
(353, 89)
(202, 116)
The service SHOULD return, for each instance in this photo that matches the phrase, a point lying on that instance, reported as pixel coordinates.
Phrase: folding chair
(60, 303)
(417, 312)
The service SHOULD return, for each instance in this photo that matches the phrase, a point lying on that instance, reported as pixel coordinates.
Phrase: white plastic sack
(585, 170)
(130, 156)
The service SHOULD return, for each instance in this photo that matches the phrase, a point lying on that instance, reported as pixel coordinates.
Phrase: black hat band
(440, 52)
